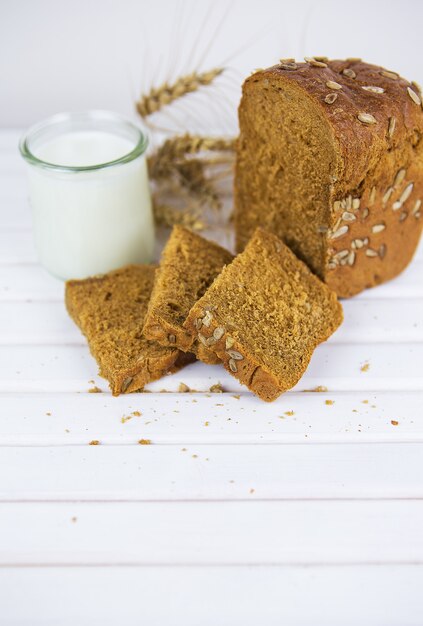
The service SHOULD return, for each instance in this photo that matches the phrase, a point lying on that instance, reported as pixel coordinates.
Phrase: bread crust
(376, 124)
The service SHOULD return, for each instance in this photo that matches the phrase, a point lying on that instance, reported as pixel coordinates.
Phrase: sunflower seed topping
(371, 253)
(126, 383)
(229, 342)
(207, 319)
(391, 75)
(330, 98)
(218, 333)
(372, 196)
(359, 243)
(399, 177)
(348, 217)
(387, 195)
(373, 89)
(406, 193)
(202, 339)
(232, 365)
(288, 64)
(198, 323)
(337, 205)
(315, 62)
(382, 251)
(378, 228)
(367, 118)
(403, 216)
(391, 126)
(331, 84)
(342, 254)
(234, 354)
(171, 338)
(339, 232)
(397, 205)
(416, 207)
(348, 72)
(415, 98)
(356, 203)
(351, 258)
(365, 214)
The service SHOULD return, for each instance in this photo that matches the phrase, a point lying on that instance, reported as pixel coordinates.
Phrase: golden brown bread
(330, 158)
(188, 265)
(110, 311)
(264, 315)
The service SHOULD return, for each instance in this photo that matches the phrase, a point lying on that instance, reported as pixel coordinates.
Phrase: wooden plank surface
(227, 596)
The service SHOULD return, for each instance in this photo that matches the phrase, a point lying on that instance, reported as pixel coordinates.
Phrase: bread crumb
(319, 389)
(125, 418)
(48, 413)
(329, 402)
(252, 490)
(183, 388)
(95, 390)
(394, 422)
(94, 442)
(183, 449)
(67, 430)
(136, 413)
(289, 413)
(195, 456)
(144, 442)
(365, 402)
(365, 367)
(217, 388)
(74, 519)
(237, 397)
(206, 423)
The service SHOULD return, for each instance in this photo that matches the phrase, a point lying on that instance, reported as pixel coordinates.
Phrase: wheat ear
(159, 97)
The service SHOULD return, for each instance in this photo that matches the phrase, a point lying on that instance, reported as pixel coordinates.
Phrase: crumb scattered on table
(144, 442)
(206, 423)
(289, 413)
(394, 422)
(329, 402)
(95, 390)
(318, 389)
(94, 442)
(217, 388)
(136, 413)
(365, 367)
(48, 413)
(237, 396)
(183, 388)
(74, 519)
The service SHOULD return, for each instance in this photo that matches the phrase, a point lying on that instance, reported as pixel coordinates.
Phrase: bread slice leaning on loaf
(264, 315)
(330, 159)
(110, 311)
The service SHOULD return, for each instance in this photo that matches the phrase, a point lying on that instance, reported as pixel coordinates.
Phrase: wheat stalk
(159, 97)
(163, 161)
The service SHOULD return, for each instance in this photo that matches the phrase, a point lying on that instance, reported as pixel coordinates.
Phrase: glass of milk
(89, 193)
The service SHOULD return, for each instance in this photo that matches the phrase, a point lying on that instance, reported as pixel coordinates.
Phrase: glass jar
(89, 193)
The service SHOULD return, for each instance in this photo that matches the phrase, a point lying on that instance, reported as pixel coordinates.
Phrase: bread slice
(188, 266)
(264, 315)
(110, 312)
(330, 159)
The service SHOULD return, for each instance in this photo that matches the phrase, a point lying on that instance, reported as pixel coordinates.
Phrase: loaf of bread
(264, 315)
(330, 158)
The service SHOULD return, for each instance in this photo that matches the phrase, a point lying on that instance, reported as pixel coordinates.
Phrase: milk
(88, 222)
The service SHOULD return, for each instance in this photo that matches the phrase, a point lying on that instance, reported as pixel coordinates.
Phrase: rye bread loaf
(264, 315)
(330, 158)
(188, 265)
(110, 311)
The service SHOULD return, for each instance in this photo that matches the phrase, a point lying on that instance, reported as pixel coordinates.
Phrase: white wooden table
(305, 511)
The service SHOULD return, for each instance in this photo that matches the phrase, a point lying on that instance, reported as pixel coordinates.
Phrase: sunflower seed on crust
(372, 196)
(406, 193)
(234, 354)
(400, 175)
(366, 118)
(126, 383)
(339, 232)
(207, 319)
(218, 333)
(382, 251)
(391, 126)
(416, 207)
(373, 88)
(349, 72)
(315, 62)
(232, 365)
(351, 258)
(348, 217)
(415, 98)
(388, 74)
(371, 253)
(171, 338)
(331, 84)
(387, 195)
(378, 228)
(330, 98)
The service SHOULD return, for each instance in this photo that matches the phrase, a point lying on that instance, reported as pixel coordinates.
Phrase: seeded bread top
(370, 109)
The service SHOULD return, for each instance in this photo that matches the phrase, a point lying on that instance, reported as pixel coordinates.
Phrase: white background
(58, 55)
